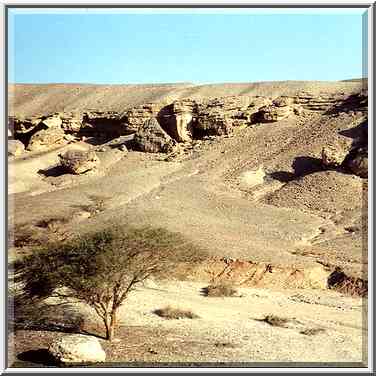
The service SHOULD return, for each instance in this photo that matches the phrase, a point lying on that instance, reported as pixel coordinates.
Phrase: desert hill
(32, 99)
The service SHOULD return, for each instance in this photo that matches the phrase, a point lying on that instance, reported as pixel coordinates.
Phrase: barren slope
(29, 99)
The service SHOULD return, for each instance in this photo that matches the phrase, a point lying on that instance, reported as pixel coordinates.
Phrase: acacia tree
(101, 269)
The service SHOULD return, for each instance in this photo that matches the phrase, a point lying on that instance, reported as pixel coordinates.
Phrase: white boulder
(77, 348)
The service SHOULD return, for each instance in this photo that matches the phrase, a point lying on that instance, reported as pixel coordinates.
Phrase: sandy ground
(231, 330)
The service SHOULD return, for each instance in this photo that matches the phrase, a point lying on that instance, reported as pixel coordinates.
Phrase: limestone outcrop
(46, 138)
(178, 119)
(135, 118)
(102, 123)
(151, 138)
(272, 113)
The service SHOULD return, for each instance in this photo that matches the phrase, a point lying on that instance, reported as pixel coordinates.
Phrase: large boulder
(15, 148)
(77, 348)
(358, 162)
(45, 139)
(78, 161)
(151, 138)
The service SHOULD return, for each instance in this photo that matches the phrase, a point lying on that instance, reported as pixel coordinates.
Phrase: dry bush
(220, 290)
(43, 231)
(275, 320)
(348, 285)
(352, 286)
(312, 331)
(53, 224)
(171, 313)
(24, 235)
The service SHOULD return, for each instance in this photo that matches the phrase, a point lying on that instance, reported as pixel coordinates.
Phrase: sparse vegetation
(97, 204)
(275, 320)
(46, 230)
(226, 345)
(53, 224)
(171, 313)
(339, 281)
(312, 331)
(220, 290)
(101, 268)
(24, 235)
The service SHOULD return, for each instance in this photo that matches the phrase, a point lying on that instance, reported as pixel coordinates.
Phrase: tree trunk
(107, 324)
(113, 324)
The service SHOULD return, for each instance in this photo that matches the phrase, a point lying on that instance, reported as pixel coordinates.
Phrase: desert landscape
(268, 180)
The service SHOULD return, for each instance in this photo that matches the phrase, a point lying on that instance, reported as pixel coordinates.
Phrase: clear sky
(198, 47)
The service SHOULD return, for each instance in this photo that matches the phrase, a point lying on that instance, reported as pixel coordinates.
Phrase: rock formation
(135, 118)
(178, 119)
(272, 113)
(78, 161)
(182, 120)
(358, 162)
(333, 155)
(103, 124)
(151, 138)
(46, 138)
(77, 348)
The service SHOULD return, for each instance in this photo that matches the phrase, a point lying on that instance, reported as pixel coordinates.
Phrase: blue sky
(199, 47)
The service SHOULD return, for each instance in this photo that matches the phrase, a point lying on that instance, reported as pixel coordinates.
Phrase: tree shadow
(302, 166)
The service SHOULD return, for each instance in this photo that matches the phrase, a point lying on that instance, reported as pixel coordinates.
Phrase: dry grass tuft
(171, 313)
(275, 320)
(348, 285)
(220, 290)
(53, 224)
(312, 331)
